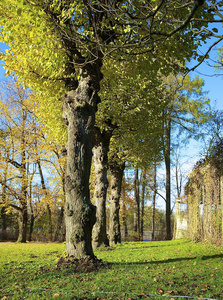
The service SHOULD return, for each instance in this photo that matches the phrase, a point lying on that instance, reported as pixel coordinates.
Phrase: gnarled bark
(100, 158)
(116, 184)
(79, 109)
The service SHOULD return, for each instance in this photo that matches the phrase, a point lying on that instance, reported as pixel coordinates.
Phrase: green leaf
(19, 11)
(215, 30)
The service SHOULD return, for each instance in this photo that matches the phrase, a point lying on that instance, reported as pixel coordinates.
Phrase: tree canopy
(57, 47)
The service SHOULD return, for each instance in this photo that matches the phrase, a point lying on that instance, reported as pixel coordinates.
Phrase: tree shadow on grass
(150, 244)
(170, 260)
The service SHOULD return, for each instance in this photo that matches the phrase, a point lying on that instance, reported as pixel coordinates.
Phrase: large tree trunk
(117, 171)
(136, 204)
(100, 159)
(79, 110)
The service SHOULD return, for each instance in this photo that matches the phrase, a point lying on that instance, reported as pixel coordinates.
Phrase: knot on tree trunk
(89, 214)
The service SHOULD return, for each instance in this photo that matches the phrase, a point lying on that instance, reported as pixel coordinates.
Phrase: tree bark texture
(79, 108)
(100, 159)
(117, 171)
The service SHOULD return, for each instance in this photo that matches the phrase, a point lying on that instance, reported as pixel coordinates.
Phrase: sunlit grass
(134, 270)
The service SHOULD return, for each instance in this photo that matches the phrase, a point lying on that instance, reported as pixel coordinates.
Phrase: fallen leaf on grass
(160, 291)
(143, 295)
(22, 286)
(171, 292)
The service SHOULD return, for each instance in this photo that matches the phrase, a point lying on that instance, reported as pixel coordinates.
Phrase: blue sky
(213, 78)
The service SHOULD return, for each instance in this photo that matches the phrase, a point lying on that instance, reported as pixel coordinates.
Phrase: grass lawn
(167, 269)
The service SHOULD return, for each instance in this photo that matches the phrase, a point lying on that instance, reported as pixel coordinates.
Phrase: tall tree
(154, 199)
(142, 210)
(136, 203)
(17, 122)
(3, 182)
(79, 35)
(45, 191)
(186, 109)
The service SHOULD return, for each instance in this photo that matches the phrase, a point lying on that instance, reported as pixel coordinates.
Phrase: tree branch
(204, 56)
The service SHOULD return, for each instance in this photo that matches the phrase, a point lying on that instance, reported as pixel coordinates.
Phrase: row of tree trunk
(101, 165)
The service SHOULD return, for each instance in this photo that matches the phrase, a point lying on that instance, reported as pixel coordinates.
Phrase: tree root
(80, 265)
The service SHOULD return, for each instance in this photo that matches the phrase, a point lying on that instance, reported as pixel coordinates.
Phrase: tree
(136, 203)
(100, 159)
(154, 199)
(4, 176)
(204, 198)
(18, 127)
(215, 7)
(23, 152)
(116, 167)
(80, 34)
(131, 98)
(125, 205)
(186, 109)
(159, 221)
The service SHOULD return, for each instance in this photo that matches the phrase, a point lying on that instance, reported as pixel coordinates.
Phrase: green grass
(135, 270)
